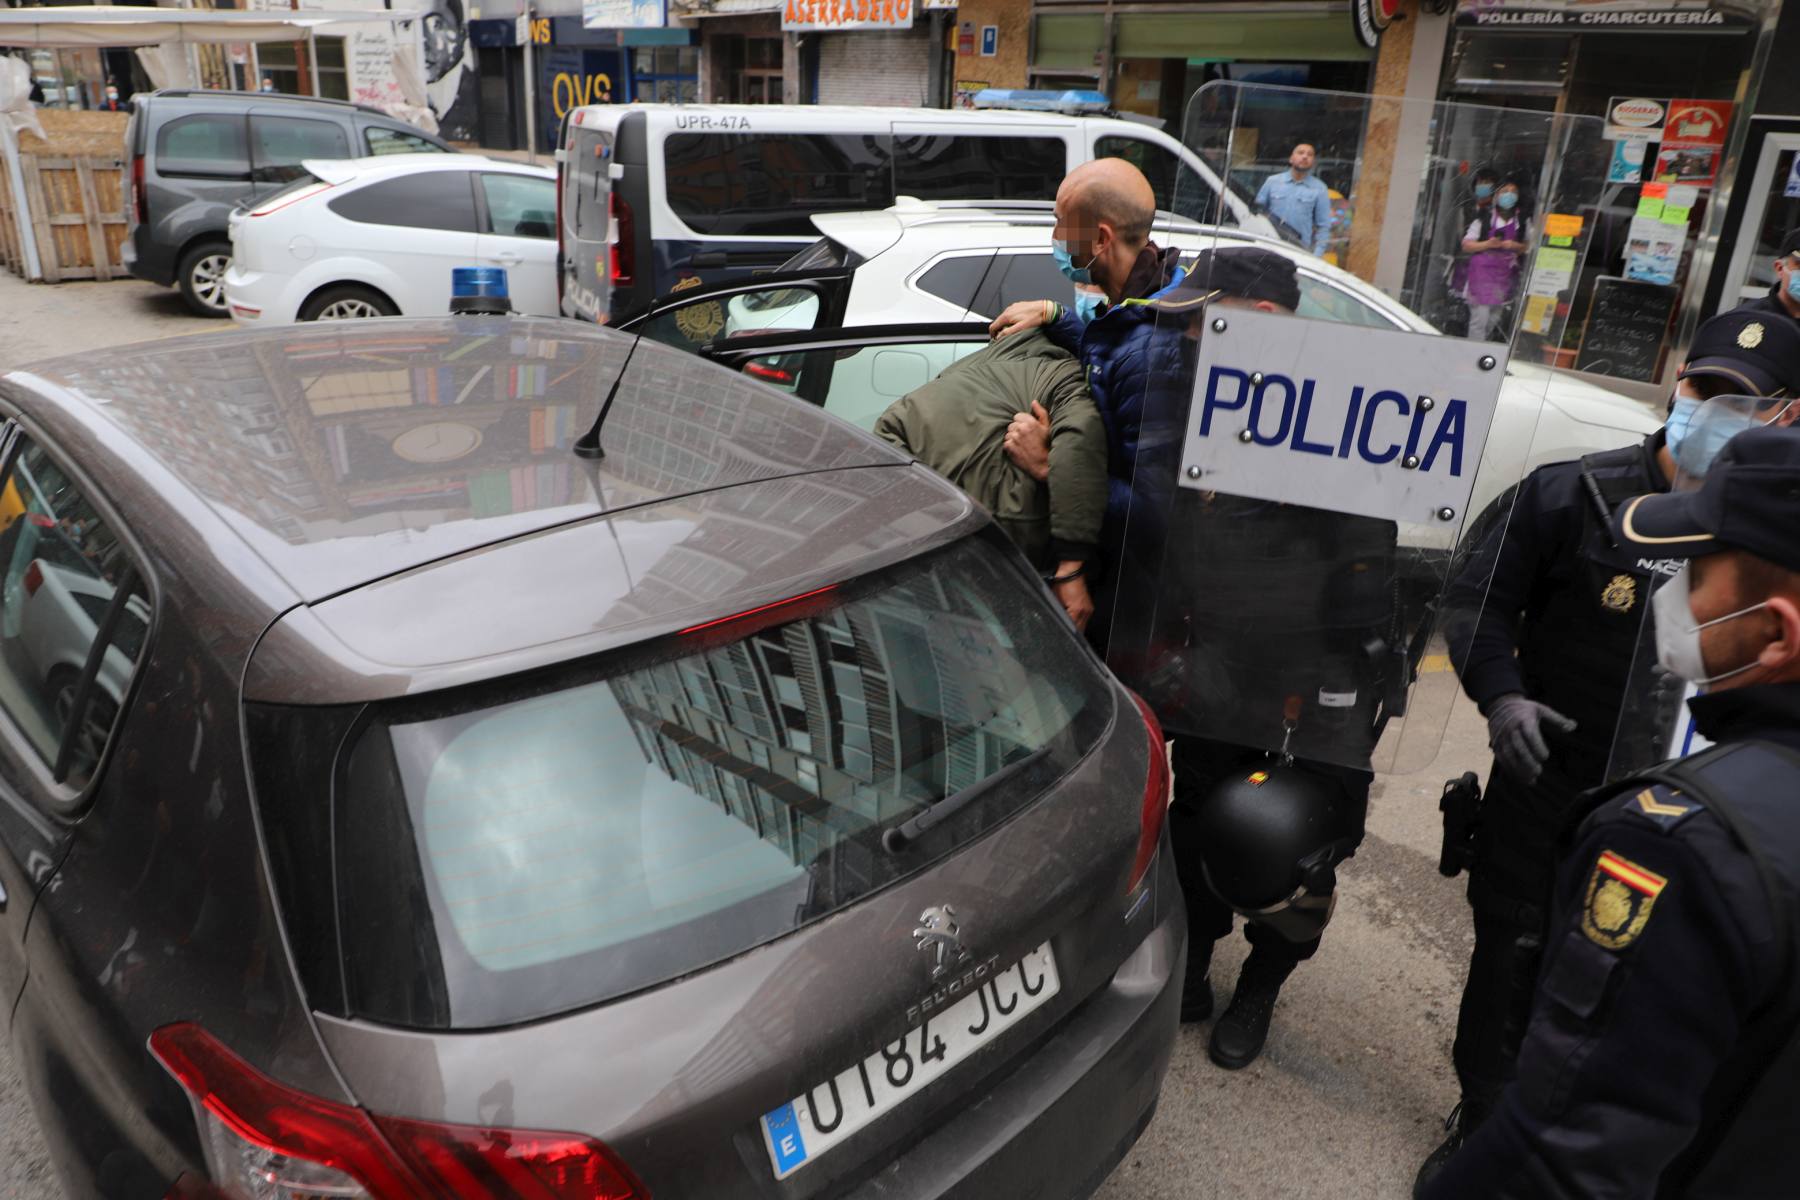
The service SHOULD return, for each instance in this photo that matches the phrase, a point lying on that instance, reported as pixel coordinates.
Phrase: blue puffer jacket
(1123, 353)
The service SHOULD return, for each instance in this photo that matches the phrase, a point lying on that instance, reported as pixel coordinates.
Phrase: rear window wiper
(898, 837)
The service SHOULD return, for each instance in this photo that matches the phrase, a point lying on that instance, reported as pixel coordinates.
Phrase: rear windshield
(529, 849)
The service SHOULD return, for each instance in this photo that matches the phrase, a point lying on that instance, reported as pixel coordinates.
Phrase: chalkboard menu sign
(1626, 326)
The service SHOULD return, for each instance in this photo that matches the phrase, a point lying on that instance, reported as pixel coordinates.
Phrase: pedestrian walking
(1543, 626)
(1299, 200)
(1663, 1056)
(1495, 242)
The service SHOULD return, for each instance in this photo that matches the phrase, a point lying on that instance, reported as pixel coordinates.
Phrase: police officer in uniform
(1663, 1056)
(1783, 299)
(1545, 649)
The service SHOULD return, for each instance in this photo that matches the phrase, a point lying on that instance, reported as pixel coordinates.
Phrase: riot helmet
(1271, 836)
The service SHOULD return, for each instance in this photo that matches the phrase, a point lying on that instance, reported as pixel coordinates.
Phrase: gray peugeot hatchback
(429, 811)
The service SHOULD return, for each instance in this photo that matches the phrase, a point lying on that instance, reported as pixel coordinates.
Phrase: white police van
(705, 193)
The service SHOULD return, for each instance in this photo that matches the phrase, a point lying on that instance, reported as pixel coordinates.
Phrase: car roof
(344, 170)
(346, 452)
(931, 228)
(216, 96)
(826, 116)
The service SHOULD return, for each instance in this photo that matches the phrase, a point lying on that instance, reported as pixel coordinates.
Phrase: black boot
(1196, 983)
(1238, 1037)
(1461, 1122)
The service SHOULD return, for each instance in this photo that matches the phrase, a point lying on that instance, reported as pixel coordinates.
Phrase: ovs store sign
(1374, 422)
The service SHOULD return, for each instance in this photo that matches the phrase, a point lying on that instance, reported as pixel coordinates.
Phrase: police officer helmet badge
(1620, 594)
(1619, 898)
(1750, 336)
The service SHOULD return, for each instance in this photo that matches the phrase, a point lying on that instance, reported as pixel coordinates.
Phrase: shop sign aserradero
(829, 15)
(1526, 16)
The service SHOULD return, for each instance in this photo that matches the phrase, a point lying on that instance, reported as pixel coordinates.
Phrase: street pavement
(1356, 1080)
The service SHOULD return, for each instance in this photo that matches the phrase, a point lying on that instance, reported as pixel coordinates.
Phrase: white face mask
(1677, 635)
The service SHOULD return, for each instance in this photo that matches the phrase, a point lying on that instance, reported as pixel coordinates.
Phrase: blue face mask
(1698, 430)
(1065, 262)
(1793, 283)
(1087, 305)
(1483, 190)
(1506, 200)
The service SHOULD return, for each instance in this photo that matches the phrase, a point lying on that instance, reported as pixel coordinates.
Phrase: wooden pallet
(77, 208)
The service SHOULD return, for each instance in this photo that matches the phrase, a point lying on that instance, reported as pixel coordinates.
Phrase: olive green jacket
(956, 425)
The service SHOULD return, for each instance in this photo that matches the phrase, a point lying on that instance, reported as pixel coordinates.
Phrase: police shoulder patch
(1620, 895)
(1662, 807)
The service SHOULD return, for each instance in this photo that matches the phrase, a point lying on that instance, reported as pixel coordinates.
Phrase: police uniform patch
(1620, 594)
(1619, 898)
(1665, 811)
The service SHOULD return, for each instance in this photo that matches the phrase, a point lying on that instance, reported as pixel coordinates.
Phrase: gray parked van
(195, 155)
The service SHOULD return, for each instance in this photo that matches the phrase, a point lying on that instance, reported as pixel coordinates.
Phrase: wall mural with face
(450, 81)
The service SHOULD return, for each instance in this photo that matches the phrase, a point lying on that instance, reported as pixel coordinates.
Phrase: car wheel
(201, 277)
(347, 302)
(96, 722)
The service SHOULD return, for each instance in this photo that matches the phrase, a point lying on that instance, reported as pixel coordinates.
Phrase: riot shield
(1295, 563)
(1654, 723)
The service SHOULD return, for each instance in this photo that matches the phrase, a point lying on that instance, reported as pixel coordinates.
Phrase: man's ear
(1268, 306)
(1784, 651)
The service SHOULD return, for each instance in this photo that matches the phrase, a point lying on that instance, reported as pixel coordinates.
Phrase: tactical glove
(1516, 734)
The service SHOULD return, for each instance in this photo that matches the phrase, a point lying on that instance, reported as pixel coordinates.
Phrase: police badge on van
(1380, 423)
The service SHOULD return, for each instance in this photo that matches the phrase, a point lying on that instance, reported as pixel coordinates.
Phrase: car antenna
(588, 444)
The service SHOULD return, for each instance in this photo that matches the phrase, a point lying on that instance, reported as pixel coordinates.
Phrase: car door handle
(511, 258)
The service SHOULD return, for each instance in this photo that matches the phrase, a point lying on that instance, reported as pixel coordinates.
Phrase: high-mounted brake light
(34, 578)
(277, 203)
(767, 373)
(1156, 797)
(760, 610)
(266, 1141)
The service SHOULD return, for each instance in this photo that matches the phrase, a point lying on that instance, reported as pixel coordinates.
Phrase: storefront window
(334, 77)
(666, 74)
(1641, 240)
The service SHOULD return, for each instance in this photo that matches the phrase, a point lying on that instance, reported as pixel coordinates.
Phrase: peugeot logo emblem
(938, 931)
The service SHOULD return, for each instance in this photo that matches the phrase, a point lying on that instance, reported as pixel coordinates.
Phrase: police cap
(1246, 272)
(1754, 351)
(1747, 502)
(1789, 244)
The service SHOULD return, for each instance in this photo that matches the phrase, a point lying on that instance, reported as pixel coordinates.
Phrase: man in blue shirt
(1299, 200)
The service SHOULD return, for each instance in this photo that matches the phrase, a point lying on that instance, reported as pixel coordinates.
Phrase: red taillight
(624, 246)
(34, 578)
(140, 196)
(768, 374)
(1156, 797)
(263, 1138)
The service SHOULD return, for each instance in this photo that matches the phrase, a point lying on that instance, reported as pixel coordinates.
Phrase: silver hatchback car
(732, 816)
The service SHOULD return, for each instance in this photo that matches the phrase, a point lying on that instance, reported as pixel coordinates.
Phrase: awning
(118, 25)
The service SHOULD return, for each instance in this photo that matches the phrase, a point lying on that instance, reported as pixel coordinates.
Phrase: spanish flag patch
(1619, 898)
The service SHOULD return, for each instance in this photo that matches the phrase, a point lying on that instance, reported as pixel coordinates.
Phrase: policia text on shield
(1546, 649)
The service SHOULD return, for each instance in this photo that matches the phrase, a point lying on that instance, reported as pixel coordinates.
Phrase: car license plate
(812, 1123)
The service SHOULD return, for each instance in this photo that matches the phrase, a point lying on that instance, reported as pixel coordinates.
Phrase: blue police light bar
(1042, 100)
(479, 290)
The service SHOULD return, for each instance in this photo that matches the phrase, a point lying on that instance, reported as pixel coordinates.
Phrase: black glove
(1515, 733)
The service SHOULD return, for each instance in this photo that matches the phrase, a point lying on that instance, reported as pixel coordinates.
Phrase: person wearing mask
(1542, 624)
(1299, 200)
(1101, 240)
(1663, 1056)
(1784, 297)
(268, 85)
(1257, 585)
(111, 103)
(1495, 241)
(1051, 507)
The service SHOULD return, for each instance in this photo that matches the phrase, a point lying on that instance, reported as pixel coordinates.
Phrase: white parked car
(889, 282)
(378, 237)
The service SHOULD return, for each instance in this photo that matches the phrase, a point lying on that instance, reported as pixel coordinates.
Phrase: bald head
(1113, 192)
